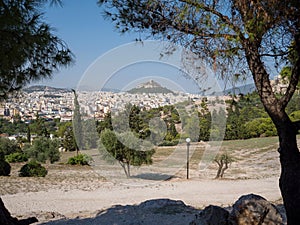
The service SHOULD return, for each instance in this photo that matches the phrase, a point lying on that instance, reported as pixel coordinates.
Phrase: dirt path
(197, 193)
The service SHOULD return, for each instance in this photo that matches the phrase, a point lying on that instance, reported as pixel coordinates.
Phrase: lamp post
(188, 140)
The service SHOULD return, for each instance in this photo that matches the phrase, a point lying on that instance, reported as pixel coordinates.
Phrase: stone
(254, 210)
(212, 215)
(7, 219)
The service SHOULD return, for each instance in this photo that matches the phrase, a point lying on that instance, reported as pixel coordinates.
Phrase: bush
(16, 157)
(169, 143)
(81, 159)
(33, 169)
(4, 168)
(8, 146)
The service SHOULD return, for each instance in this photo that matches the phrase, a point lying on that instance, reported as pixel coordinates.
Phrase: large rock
(212, 215)
(255, 210)
(7, 219)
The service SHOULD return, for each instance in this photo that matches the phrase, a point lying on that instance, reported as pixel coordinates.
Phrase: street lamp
(188, 140)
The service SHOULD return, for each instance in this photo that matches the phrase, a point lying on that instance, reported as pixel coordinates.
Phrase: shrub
(33, 169)
(81, 159)
(4, 168)
(8, 146)
(16, 157)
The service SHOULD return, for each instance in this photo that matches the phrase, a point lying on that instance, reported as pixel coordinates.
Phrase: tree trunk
(223, 169)
(220, 164)
(289, 153)
(128, 170)
(290, 173)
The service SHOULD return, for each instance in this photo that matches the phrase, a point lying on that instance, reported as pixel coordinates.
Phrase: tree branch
(284, 100)
(275, 55)
(224, 18)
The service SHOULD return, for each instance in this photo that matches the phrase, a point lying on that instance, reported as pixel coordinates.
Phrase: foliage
(4, 166)
(260, 127)
(81, 159)
(77, 123)
(295, 116)
(245, 118)
(8, 146)
(69, 142)
(126, 149)
(39, 127)
(43, 149)
(9, 128)
(29, 51)
(294, 104)
(33, 169)
(90, 135)
(286, 73)
(16, 157)
(104, 124)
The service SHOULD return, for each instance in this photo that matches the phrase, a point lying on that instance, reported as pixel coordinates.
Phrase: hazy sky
(106, 58)
(81, 25)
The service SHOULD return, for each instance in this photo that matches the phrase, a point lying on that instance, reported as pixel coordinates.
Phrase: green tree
(12, 128)
(126, 155)
(4, 166)
(8, 146)
(43, 149)
(237, 38)
(77, 123)
(69, 142)
(28, 49)
(39, 127)
(104, 124)
(90, 135)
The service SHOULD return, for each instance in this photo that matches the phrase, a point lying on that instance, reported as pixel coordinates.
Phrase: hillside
(44, 88)
(150, 87)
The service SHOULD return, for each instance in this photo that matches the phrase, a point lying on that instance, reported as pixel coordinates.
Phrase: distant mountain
(43, 88)
(114, 90)
(150, 87)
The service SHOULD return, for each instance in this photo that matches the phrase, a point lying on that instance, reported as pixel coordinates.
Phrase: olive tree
(125, 149)
(238, 38)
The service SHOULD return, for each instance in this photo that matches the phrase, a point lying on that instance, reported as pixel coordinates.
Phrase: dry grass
(254, 159)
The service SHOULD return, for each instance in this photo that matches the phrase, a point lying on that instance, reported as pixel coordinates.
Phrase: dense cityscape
(58, 104)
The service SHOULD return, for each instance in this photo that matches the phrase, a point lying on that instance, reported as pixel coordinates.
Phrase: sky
(81, 25)
(104, 58)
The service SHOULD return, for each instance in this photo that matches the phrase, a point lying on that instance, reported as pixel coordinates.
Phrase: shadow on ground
(159, 211)
(154, 176)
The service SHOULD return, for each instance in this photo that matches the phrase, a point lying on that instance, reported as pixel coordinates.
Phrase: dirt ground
(84, 195)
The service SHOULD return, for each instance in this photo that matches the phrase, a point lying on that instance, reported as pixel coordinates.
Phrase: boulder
(212, 215)
(255, 210)
(7, 219)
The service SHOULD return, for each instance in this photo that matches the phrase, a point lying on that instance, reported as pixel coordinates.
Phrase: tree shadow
(154, 176)
(158, 211)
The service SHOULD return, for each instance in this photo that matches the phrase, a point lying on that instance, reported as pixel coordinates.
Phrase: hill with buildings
(150, 87)
(43, 88)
